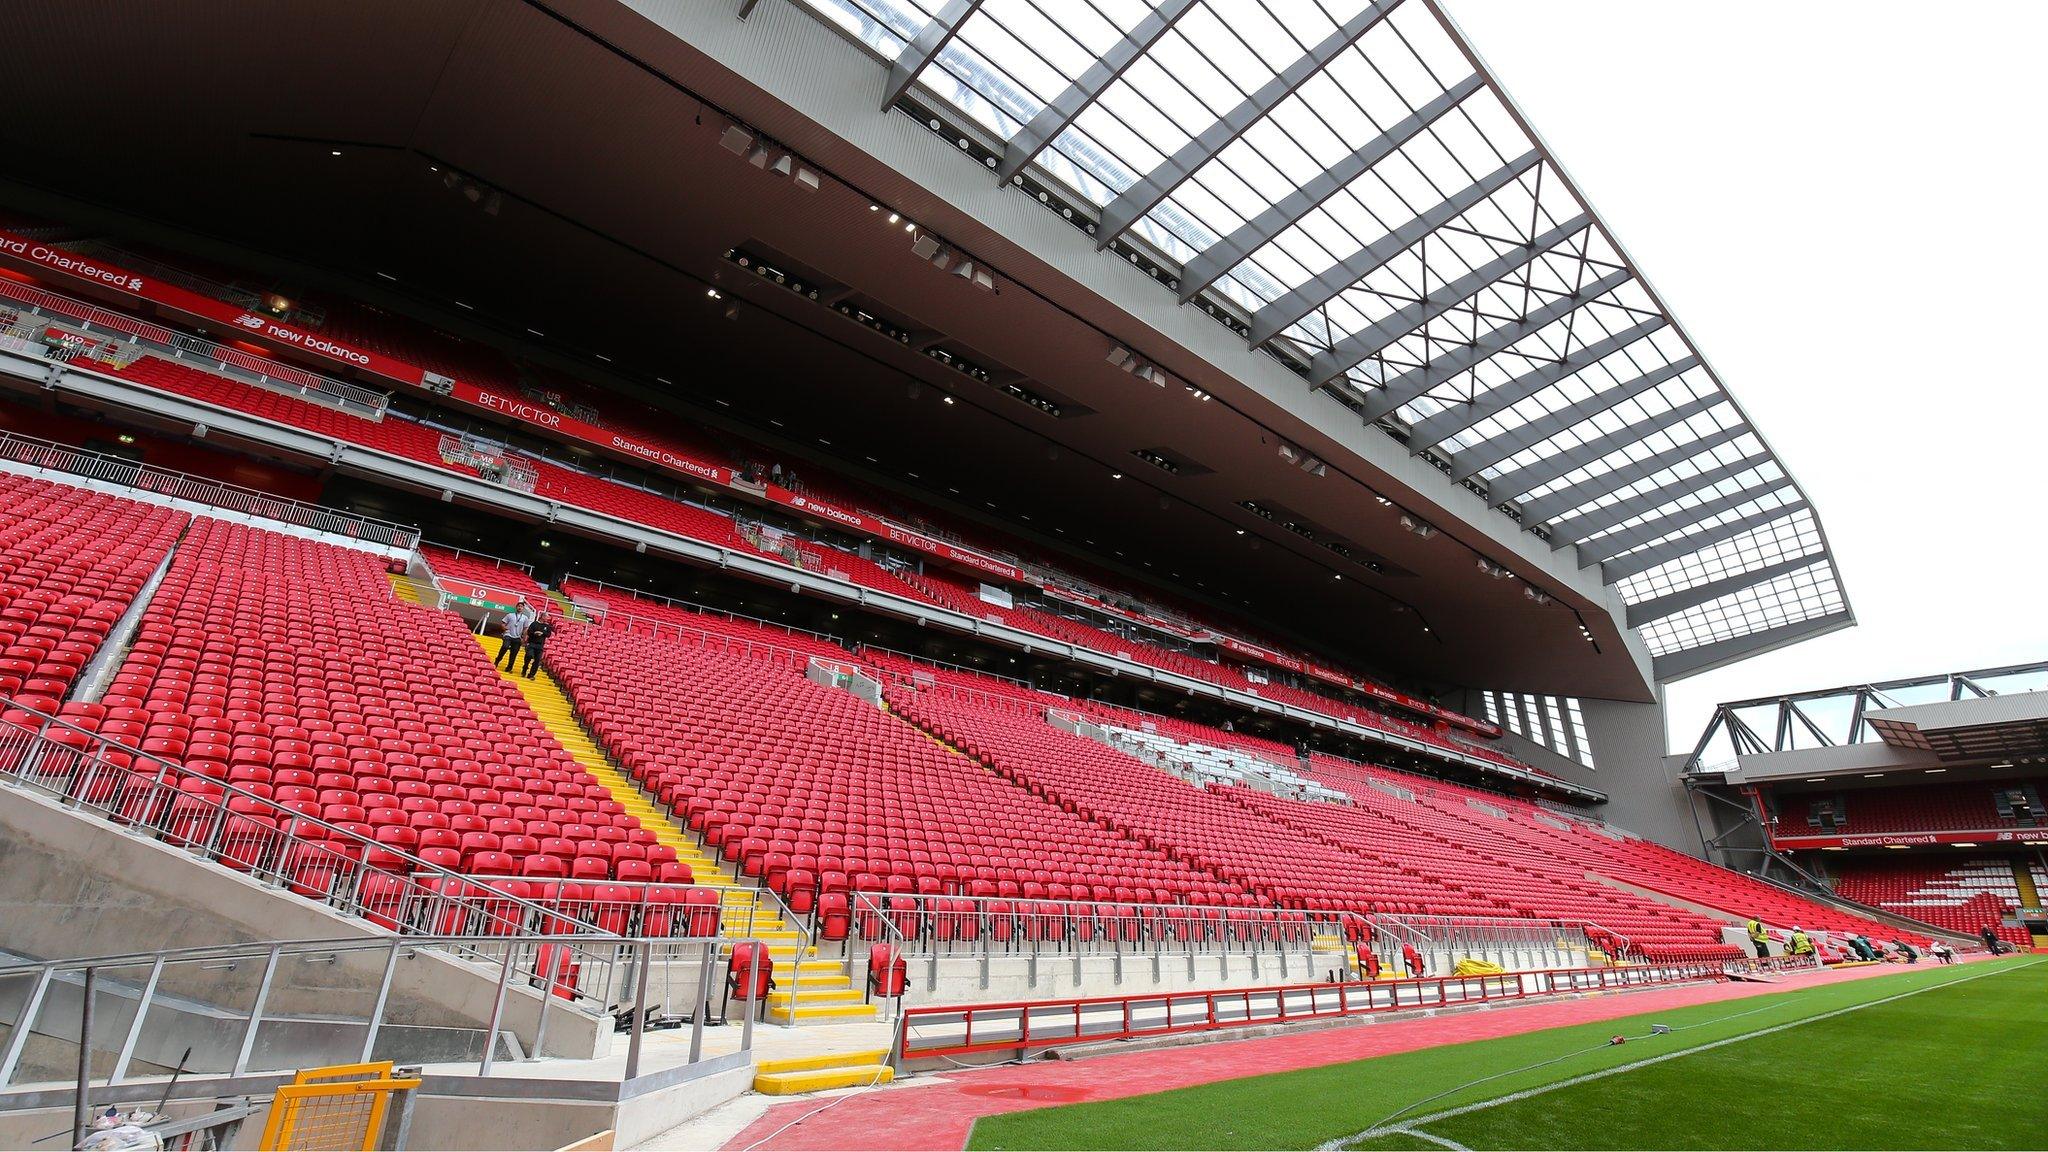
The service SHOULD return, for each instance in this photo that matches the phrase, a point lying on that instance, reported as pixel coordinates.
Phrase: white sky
(1841, 203)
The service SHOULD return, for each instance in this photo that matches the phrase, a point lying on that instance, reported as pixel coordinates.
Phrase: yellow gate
(333, 1109)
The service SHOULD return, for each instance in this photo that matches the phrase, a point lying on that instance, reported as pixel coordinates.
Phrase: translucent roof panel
(1345, 176)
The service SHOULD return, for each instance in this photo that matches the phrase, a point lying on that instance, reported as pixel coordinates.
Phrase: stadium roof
(1347, 185)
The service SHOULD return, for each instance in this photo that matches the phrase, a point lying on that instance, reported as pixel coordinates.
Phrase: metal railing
(1009, 925)
(934, 1032)
(180, 344)
(634, 908)
(494, 561)
(493, 462)
(1502, 940)
(268, 1005)
(928, 929)
(341, 867)
(52, 457)
(684, 605)
(617, 620)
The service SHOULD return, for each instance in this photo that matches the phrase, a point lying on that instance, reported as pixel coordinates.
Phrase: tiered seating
(471, 568)
(1207, 764)
(816, 791)
(286, 667)
(1961, 897)
(1199, 826)
(393, 435)
(1913, 808)
(71, 563)
(1456, 850)
(405, 340)
(772, 643)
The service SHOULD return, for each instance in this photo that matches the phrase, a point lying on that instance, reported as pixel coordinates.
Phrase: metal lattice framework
(1346, 182)
(1830, 717)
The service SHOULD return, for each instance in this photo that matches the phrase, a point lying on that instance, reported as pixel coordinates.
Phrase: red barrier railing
(931, 1032)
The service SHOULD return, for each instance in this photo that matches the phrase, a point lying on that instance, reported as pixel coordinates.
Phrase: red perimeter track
(939, 1115)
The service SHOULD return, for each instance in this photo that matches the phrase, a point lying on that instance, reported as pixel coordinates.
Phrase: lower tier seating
(811, 788)
(1964, 897)
(286, 668)
(71, 563)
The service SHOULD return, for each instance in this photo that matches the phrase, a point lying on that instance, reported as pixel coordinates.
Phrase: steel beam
(1508, 393)
(1132, 203)
(1591, 523)
(1416, 381)
(1636, 563)
(1311, 294)
(1066, 107)
(1628, 472)
(1359, 347)
(1609, 547)
(1288, 210)
(1530, 477)
(1642, 612)
(925, 48)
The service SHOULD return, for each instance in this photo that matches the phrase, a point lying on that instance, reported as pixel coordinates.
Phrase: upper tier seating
(813, 789)
(421, 444)
(71, 563)
(471, 568)
(1913, 808)
(1961, 897)
(642, 615)
(286, 667)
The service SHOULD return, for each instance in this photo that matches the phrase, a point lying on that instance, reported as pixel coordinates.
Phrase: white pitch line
(1513, 1097)
(1433, 1138)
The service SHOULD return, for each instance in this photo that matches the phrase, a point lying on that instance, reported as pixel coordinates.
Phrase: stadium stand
(803, 785)
(71, 563)
(287, 667)
(395, 336)
(1965, 897)
(1917, 808)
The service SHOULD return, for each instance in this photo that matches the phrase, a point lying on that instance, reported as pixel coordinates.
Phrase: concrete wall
(1644, 793)
(71, 886)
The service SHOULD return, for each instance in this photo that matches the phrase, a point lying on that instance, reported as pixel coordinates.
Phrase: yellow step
(827, 1060)
(403, 588)
(822, 1079)
(808, 1011)
(814, 996)
(551, 706)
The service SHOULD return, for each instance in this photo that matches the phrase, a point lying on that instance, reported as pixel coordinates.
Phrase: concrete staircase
(818, 1073)
(407, 589)
(567, 606)
(823, 990)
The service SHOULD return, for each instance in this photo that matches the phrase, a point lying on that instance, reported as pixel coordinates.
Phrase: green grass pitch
(1929, 1057)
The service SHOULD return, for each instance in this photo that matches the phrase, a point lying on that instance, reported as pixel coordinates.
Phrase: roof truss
(1133, 202)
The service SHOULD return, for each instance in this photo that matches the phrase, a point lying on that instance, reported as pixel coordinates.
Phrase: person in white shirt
(516, 623)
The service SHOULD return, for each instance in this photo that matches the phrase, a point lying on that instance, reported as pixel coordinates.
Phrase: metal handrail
(633, 624)
(84, 770)
(690, 606)
(350, 395)
(1025, 1025)
(54, 457)
(496, 561)
(926, 920)
(556, 967)
(422, 898)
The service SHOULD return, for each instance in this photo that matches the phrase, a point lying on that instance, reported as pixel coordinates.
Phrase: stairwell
(824, 992)
(2030, 896)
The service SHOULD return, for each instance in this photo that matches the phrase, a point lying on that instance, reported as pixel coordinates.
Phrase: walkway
(936, 1111)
